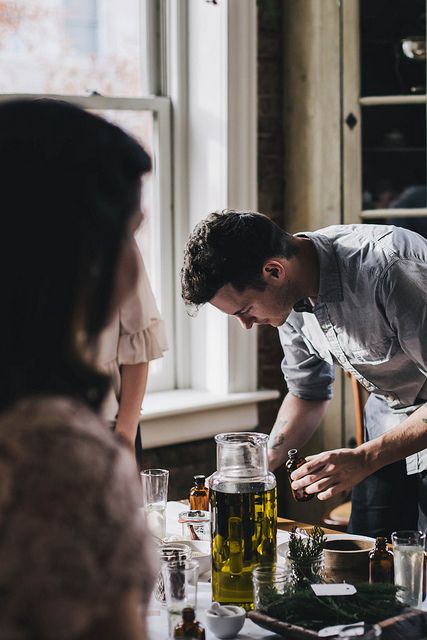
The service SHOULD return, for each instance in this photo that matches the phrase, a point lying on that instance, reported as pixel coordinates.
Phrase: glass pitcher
(244, 516)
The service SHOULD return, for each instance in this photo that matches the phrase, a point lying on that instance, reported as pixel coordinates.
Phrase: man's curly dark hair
(230, 247)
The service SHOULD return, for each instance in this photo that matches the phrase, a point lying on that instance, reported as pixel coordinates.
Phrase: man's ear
(273, 270)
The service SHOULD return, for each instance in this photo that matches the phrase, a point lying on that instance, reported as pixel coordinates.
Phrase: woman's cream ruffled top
(136, 334)
(72, 538)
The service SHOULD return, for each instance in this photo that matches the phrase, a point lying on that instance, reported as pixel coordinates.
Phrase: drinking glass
(408, 550)
(154, 499)
(180, 585)
(173, 552)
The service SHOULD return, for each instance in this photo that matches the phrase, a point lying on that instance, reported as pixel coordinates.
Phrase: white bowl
(282, 549)
(226, 626)
(282, 552)
(330, 537)
(202, 553)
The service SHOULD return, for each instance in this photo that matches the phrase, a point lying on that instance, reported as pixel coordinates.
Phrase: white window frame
(212, 82)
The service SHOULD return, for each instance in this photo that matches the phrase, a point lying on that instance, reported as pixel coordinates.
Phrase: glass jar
(170, 553)
(306, 571)
(270, 583)
(244, 516)
(196, 524)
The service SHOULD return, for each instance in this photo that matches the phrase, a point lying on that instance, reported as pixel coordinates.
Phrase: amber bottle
(295, 461)
(381, 563)
(189, 627)
(199, 495)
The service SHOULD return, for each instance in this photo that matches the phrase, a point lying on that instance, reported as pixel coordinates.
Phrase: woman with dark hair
(75, 559)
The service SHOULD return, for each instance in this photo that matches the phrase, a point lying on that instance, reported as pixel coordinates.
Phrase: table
(157, 615)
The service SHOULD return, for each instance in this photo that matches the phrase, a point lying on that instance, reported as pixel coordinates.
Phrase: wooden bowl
(347, 557)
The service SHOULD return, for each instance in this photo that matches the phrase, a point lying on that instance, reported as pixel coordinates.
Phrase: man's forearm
(331, 472)
(296, 422)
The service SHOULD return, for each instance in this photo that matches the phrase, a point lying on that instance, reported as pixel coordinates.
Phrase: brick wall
(270, 194)
(183, 461)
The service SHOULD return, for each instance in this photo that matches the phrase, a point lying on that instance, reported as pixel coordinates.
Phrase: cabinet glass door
(393, 112)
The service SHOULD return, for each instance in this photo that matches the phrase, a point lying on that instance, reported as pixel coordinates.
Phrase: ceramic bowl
(282, 553)
(202, 553)
(347, 557)
(226, 626)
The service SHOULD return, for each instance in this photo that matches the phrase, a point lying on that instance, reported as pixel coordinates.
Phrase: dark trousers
(138, 449)
(389, 500)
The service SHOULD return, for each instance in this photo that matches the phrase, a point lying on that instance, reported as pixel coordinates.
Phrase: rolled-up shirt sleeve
(307, 376)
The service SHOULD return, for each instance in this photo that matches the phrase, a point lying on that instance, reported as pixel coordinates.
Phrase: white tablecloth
(157, 614)
(158, 621)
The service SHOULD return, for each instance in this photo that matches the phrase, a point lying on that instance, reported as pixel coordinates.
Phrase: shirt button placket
(329, 331)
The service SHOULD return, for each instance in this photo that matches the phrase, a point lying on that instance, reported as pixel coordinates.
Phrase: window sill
(170, 417)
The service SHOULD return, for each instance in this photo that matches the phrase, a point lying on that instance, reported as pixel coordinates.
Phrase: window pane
(393, 47)
(139, 124)
(71, 47)
(81, 26)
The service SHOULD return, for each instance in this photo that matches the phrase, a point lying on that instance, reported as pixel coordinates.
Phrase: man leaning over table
(347, 295)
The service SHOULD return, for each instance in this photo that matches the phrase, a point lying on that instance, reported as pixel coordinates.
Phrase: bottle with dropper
(294, 461)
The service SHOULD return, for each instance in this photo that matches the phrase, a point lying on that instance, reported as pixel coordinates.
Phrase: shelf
(394, 149)
(373, 214)
(376, 101)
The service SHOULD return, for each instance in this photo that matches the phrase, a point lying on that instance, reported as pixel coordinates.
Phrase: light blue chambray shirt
(370, 317)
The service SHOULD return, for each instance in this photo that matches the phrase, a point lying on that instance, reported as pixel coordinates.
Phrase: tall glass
(180, 584)
(408, 550)
(154, 499)
(244, 516)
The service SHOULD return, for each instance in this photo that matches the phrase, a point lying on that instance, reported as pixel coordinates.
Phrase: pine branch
(371, 604)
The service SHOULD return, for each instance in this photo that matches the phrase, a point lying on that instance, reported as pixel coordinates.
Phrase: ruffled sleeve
(142, 335)
(137, 332)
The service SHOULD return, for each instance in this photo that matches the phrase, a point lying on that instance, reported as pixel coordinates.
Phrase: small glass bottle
(381, 563)
(295, 461)
(189, 627)
(199, 495)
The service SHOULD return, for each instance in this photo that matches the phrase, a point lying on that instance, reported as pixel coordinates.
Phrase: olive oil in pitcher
(244, 516)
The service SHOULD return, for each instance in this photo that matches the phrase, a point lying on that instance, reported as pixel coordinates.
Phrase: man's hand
(332, 472)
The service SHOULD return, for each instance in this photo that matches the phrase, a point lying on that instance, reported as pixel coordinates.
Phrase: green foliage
(306, 548)
(306, 557)
(371, 604)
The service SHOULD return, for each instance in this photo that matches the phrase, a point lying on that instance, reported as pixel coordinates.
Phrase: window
(180, 75)
(91, 53)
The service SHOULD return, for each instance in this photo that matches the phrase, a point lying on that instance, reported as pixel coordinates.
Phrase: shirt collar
(330, 288)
